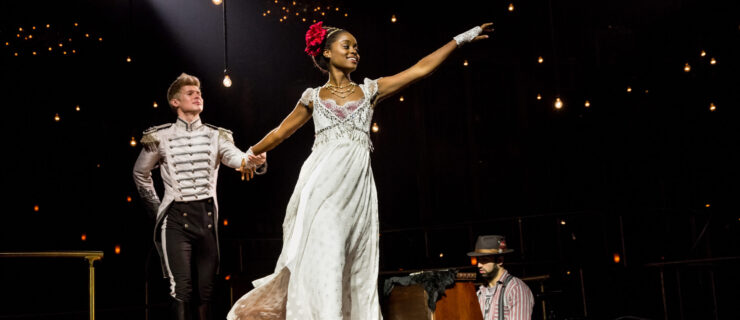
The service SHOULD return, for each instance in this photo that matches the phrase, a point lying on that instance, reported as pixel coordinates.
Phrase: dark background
(650, 175)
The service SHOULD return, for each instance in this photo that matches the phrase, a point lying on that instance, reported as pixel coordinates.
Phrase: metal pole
(91, 260)
(583, 294)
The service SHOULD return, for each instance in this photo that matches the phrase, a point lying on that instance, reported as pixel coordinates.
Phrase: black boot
(180, 310)
(204, 311)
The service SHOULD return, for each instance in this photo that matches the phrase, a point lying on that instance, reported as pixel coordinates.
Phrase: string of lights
(49, 41)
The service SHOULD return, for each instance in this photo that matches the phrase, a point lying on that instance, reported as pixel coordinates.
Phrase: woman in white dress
(328, 267)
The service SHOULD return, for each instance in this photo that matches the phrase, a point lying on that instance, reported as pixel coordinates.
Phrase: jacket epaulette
(149, 140)
(223, 132)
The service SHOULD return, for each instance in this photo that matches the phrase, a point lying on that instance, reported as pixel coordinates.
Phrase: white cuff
(467, 36)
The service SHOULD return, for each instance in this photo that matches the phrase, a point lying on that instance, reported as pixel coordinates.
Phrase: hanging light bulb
(36, 208)
(77, 107)
(155, 104)
(587, 104)
(118, 249)
(511, 6)
(713, 61)
(540, 59)
(617, 258)
(629, 89)
(539, 96)
(133, 142)
(227, 81)
(128, 59)
(703, 53)
(465, 63)
(393, 18)
(217, 2)
(400, 99)
(686, 67)
(57, 118)
(712, 107)
(558, 103)
(473, 261)
(129, 199)
(375, 127)
(83, 237)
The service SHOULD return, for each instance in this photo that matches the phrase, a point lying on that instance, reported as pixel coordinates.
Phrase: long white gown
(328, 266)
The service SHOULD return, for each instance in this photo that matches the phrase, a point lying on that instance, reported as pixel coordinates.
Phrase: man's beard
(494, 272)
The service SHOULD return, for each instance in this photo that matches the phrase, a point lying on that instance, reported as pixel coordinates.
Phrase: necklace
(341, 91)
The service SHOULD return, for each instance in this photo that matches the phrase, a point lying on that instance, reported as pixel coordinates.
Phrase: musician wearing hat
(503, 296)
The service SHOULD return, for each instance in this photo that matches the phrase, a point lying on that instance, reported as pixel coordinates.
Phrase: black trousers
(190, 251)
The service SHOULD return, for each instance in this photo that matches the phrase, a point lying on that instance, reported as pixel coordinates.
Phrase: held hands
(250, 164)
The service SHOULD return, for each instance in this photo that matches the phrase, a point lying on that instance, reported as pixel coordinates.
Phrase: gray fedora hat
(490, 245)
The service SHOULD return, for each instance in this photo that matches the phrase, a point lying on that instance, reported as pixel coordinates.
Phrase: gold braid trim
(226, 134)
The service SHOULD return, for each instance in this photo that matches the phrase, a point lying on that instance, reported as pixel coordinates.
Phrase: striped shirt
(518, 299)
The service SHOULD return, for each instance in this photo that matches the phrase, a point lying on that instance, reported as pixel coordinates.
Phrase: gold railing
(90, 256)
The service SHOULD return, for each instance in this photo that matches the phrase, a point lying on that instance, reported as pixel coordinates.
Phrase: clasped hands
(250, 164)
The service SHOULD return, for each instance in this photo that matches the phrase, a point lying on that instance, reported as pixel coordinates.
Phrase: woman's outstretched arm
(296, 119)
(387, 86)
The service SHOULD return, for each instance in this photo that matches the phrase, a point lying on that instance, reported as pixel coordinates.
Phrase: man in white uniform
(188, 154)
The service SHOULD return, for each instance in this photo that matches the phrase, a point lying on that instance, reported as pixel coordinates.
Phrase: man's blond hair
(183, 80)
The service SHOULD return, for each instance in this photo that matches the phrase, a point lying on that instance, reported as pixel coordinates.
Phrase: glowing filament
(133, 144)
(465, 63)
(540, 59)
(539, 96)
(511, 6)
(712, 107)
(227, 81)
(686, 67)
(587, 104)
(57, 118)
(155, 104)
(375, 127)
(629, 89)
(393, 18)
(713, 61)
(559, 105)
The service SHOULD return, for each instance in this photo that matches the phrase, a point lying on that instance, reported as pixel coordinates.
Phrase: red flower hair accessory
(314, 37)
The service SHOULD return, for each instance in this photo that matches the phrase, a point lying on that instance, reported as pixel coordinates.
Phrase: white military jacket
(188, 156)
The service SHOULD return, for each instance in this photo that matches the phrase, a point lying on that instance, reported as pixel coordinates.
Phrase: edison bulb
(511, 6)
(703, 53)
(57, 118)
(155, 104)
(587, 104)
(393, 18)
(539, 96)
(227, 81)
(128, 59)
(217, 2)
(133, 142)
(629, 89)
(687, 67)
(713, 61)
(465, 63)
(540, 60)
(712, 107)
(375, 127)
(558, 103)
